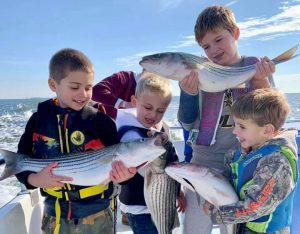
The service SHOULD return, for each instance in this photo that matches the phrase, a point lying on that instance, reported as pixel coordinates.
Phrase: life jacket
(75, 132)
(242, 170)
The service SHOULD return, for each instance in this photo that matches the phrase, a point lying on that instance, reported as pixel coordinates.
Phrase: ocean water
(14, 115)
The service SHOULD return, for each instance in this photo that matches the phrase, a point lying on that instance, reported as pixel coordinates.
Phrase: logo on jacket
(77, 138)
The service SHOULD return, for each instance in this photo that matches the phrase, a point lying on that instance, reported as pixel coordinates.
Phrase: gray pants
(195, 220)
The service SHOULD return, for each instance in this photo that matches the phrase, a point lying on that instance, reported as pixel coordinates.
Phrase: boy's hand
(190, 83)
(181, 202)
(125, 105)
(264, 69)
(45, 178)
(120, 172)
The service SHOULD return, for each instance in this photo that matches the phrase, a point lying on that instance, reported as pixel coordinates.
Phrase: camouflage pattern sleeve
(272, 182)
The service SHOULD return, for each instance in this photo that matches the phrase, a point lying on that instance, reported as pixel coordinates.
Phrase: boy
(263, 170)
(209, 113)
(152, 97)
(65, 124)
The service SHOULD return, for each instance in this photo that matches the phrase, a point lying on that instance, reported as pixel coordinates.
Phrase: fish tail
(11, 163)
(287, 55)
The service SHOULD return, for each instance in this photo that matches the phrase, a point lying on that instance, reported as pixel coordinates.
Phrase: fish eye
(142, 140)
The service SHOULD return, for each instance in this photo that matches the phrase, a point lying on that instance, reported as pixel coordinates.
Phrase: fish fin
(11, 163)
(287, 55)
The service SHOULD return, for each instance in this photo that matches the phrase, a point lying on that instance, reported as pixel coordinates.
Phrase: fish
(206, 182)
(160, 192)
(212, 77)
(87, 168)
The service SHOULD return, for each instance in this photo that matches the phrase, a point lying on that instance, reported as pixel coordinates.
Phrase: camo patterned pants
(101, 222)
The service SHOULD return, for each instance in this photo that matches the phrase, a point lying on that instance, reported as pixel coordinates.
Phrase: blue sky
(115, 34)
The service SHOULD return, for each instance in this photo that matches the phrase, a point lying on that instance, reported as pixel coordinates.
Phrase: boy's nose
(83, 93)
(154, 115)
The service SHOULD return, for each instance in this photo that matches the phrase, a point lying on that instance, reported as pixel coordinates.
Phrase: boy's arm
(44, 178)
(25, 147)
(272, 182)
(26, 140)
(188, 111)
(109, 90)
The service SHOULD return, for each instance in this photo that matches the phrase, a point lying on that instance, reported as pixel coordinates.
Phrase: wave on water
(14, 115)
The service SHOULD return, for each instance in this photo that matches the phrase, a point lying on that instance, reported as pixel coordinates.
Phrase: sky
(115, 34)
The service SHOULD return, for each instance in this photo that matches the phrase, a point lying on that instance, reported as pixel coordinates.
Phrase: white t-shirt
(127, 117)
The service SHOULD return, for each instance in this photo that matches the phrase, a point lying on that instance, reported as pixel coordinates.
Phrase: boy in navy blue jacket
(65, 124)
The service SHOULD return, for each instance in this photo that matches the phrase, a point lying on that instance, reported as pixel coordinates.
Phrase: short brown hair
(68, 60)
(153, 83)
(263, 106)
(213, 18)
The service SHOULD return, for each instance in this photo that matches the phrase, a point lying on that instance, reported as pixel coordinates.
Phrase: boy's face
(220, 46)
(150, 108)
(73, 91)
(249, 133)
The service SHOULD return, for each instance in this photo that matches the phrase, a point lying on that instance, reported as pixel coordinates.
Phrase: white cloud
(133, 60)
(286, 22)
(188, 41)
(166, 4)
(231, 3)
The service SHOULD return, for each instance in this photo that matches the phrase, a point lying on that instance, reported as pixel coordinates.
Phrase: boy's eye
(74, 88)
(161, 111)
(242, 127)
(219, 39)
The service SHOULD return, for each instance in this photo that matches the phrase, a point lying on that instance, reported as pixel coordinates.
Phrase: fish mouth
(144, 59)
(188, 182)
(141, 165)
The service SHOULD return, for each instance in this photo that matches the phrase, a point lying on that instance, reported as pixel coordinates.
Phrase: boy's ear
(269, 129)
(133, 100)
(236, 33)
(52, 84)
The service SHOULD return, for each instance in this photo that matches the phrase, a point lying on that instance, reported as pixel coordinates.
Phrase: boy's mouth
(149, 121)
(218, 57)
(79, 101)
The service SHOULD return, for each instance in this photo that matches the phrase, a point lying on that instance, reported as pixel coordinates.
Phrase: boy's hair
(152, 83)
(263, 106)
(68, 60)
(213, 18)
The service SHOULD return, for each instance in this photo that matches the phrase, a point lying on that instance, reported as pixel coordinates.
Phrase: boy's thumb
(51, 166)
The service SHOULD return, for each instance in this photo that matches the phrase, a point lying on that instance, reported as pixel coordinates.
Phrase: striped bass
(87, 168)
(206, 182)
(212, 77)
(160, 192)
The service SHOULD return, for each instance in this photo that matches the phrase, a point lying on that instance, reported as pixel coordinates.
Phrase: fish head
(170, 65)
(186, 173)
(140, 152)
(206, 182)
